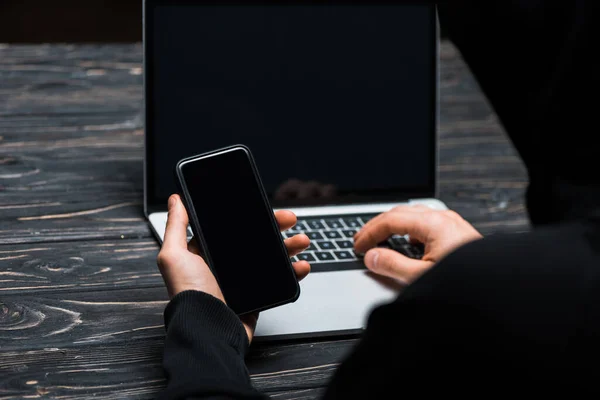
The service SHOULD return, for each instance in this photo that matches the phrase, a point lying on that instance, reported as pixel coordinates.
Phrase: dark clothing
(508, 314)
(525, 320)
(536, 62)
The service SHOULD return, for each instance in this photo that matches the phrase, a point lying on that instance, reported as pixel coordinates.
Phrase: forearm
(204, 350)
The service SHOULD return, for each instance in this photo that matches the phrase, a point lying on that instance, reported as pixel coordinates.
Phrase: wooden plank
(31, 321)
(57, 79)
(75, 221)
(68, 266)
(51, 320)
(133, 368)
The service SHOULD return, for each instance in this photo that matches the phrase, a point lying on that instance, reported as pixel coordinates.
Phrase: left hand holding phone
(182, 268)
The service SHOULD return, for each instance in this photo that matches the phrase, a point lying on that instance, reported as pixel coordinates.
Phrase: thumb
(177, 222)
(392, 264)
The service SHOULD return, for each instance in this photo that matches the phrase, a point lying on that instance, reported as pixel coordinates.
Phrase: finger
(296, 244)
(390, 263)
(177, 223)
(285, 219)
(358, 234)
(401, 208)
(412, 207)
(392, 223)
(302, 269)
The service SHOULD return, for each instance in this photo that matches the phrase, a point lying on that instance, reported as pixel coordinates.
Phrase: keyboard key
(311, 247)
(326, 245)
(385, 245)
(334, 223)
(314, 236)
(352, 222)
(349, 233)
(397, 241)
(418, 250)
(324, 256)
(344, 255)
(305, 257)
(407, 250)
(289, 234)
(366, 218)
(344, 244)
(299, 227)
(332, 234)
(315, 224)
(294, 259)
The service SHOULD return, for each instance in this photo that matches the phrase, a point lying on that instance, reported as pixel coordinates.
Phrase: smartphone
(235, 228)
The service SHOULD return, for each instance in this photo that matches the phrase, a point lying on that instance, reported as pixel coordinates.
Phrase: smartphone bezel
(197, 230)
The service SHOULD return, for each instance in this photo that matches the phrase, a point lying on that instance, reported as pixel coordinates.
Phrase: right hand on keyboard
(440, 232)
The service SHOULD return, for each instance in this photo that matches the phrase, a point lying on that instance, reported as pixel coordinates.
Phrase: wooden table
(81, 299)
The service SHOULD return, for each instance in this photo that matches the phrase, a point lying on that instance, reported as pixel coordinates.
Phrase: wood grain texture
(71, 146)
(109, 343)
(99, 369)
(29, 321)
(69, 266)
(39, 321)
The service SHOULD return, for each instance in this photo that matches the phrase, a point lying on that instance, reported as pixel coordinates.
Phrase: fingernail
(371, 258)
(172, 202)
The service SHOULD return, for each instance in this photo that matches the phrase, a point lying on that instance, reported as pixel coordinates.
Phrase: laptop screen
(335, 101)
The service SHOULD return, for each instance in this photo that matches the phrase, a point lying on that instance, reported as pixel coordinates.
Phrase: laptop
(338, 103)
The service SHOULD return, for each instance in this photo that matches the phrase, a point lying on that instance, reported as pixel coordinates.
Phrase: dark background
(73, 21)
(37, 21)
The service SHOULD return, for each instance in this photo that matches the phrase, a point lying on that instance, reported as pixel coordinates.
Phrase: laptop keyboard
(332, 239)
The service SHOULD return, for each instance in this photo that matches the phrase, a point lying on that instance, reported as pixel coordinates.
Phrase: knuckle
(388, 222)
(164, 257)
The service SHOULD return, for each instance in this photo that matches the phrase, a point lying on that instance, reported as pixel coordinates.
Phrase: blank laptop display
(338, 96)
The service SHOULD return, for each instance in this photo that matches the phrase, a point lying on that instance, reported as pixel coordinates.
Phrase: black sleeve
(204, 350)
(505, 315)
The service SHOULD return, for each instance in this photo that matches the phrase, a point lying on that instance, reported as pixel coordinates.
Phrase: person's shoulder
(568, 243)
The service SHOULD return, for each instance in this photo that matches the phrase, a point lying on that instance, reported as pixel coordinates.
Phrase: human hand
(439, 231)
(182, 268)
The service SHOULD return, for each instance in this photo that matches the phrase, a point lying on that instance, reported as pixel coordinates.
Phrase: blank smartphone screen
(243, 243)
